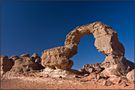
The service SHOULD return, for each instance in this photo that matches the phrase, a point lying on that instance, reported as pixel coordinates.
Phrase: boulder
(131, 75)
(25, 55)
(36, 58)
(56, 58)
(89, 77)
(92, 68)
(5, 64)
(14, 57)
(25, 64)
(116, 65)
(107, 83)
(35, 55)
(58, 72)
(115, 79)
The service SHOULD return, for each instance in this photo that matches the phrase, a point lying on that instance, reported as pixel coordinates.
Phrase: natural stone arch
(106, 41)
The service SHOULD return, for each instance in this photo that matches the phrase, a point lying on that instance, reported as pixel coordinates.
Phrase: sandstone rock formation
(57, 58)
(92, 68)
(50, 72)
(106, 41)
(25, 55)
(14, 57)
(117, 65)
(5, 64)
(20, 64)
(25, 64)
(131, 75)
(36, 58)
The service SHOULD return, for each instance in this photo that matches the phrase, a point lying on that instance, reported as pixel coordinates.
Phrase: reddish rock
(57, 58)
(106, 42)
(90, 68)
(131, 75)
(14, 57)
(25, 55)
(5, 64)
(107, 83)
(25, 64)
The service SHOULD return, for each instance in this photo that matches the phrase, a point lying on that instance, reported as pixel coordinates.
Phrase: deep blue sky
(33, 26)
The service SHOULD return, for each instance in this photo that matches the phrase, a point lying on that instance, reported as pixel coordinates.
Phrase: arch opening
(87, 53)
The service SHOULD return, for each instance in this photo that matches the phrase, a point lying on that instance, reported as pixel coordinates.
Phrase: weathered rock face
(117, 65)
(57, 58)
(20, 64)
(131, 76)
(24, 64)
(92, 68)
(6, 64)
(14, 57)
(25, 55)
(59, 72)
(106, 40)
(36, 58)
(35, 55)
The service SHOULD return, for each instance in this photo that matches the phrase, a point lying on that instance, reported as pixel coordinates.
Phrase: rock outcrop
(57, 58)
(5, 64)
(131, 75)
(106, 42)
(20, 64)
(117, 65)
(25, 64)
(92, 68)
(50, 72)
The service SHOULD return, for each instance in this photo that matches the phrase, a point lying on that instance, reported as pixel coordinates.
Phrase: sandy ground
(55, 83)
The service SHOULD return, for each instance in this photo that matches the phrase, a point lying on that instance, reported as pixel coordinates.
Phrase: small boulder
(92, 68)
(25, 55)
(14, 57)
(131, 75)
(89, 77)
(36, 58)
(123, 84)
(107, 83)
(35, 55)
(115, 79)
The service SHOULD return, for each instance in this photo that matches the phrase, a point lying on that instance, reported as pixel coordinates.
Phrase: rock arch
(106, 41)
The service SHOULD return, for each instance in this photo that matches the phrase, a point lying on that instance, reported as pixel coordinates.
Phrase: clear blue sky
(33, 26)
